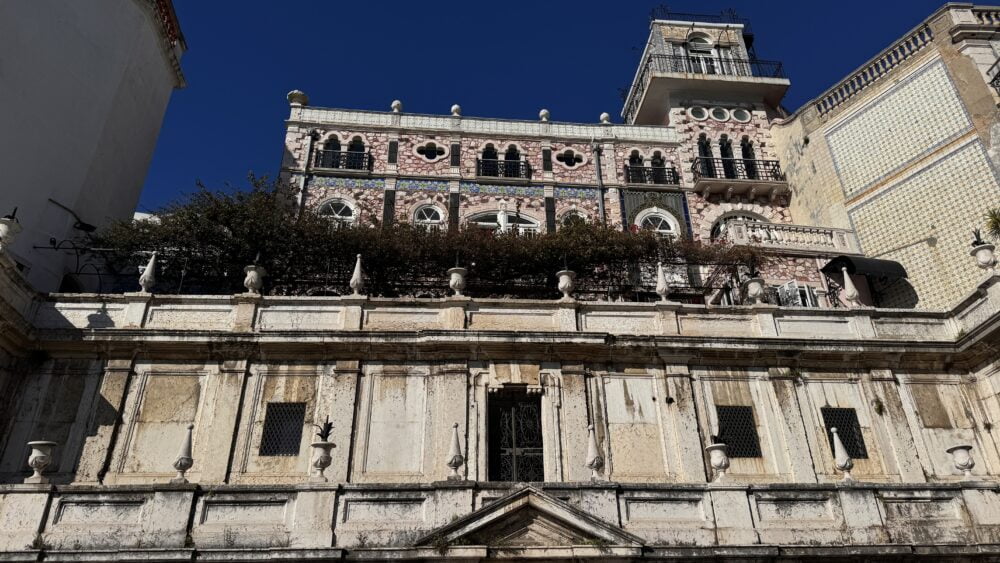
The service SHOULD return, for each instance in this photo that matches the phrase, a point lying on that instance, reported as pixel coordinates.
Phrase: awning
(865, 267)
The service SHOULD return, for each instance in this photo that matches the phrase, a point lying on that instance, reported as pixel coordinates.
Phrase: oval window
(699, 113)
(741, 115)
(720, 114)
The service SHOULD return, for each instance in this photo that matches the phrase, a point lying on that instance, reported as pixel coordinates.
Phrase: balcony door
(515, 438)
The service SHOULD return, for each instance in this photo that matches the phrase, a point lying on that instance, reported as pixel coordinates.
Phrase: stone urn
(984, 256)
(566, 279)
(40, 458)
(718, 457)
(754, 290)
(456, 280)
(322, 460)
(9, 229)
(961, 456)
(254, 279)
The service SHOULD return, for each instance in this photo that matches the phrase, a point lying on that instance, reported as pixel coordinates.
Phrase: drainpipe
(596, 147)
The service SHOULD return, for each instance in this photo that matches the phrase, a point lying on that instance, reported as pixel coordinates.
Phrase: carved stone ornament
(357, 282)
(322, 460)
(842, 461)
(961, 456)
(455, 457)
(297, 98)
(754, 288)
(456, 280)
(594, 460)
(40, 458)
(254, 279)
(148, 278)
(718, 457)
(851, 293)
(9, 229)
(566, 278)
(184, 458)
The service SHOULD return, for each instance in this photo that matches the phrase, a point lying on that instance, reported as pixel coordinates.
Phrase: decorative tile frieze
(499, 189)
(422, 185)
(350, 183)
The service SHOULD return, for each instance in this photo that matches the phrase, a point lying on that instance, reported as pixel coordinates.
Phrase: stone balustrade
(796, 238)
(329, 521)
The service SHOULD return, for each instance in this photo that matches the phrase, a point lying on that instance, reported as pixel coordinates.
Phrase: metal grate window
(283, 429)
(848, 428)
(456, 154)
(738, 431)
(393, 151)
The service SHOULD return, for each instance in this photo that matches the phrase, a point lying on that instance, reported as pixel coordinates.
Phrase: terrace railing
(503, 168)
(347, 160)
(659, 175)
(737, 169)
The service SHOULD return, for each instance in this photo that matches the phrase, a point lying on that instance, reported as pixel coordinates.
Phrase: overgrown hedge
(206, 240)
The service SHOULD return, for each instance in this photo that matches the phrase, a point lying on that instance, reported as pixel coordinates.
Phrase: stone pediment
(530, 518)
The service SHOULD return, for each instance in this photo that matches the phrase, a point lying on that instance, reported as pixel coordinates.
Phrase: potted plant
(982, 251)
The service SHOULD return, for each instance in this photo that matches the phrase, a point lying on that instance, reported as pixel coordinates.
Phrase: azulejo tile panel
(904, 124)
(924, 222)
(350, 183)
(578, 193)
(422, 185)
(498, 189)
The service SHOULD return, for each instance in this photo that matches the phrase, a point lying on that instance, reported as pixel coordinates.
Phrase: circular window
(720, 114)
(741, 115)
(698, 112)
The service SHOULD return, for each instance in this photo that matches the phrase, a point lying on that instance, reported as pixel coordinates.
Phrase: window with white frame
(338, 210)
(503, 221)
(429, 217)
(660, 221)
(701, 55)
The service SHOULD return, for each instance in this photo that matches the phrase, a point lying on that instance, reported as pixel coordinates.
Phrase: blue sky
(497, 59)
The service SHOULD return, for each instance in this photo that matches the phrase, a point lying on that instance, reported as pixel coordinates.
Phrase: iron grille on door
(283, 429)
(738, 431)
(848, 428)
(515, 439)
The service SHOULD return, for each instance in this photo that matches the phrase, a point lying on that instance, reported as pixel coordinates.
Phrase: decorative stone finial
(358, 278)
(606, 118)
(297, 98)
(255, 277)
(456, 110)
(842, 461)
(455, 457)
(594, 460)
(9, 229)
(544, 115)
(961, 456)
(397, 106)
(661, 282)
(456, 279)
(184, 459)
(851, 293)
(718, 456)
(40, 458)
(148, 278)
(566, 278)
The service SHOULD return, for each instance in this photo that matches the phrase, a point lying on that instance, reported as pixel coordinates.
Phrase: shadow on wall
(895, 294)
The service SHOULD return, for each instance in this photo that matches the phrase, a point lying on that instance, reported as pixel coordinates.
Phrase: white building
(84, 88)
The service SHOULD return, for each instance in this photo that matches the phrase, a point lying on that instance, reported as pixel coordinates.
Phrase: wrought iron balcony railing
(662, 175)
(347, 160)
(737, 169)
(697, 64)
(503, 168)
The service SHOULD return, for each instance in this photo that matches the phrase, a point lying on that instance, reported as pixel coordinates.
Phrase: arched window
(749, 157)
(329, 157)
(726, 153)
(512, 162)
(355, 154)
(489, 165)
(503, 221)
(720, 228)
(429, 217)
(705, 157)
(658, 169)
(339, 211)
(572, 218)
(660, 221)
(701, 55)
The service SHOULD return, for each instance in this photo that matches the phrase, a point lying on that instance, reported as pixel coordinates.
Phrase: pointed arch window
(749, 157)
(726, 153)
(355, 159)
(329, 156)
(706, 162)
(512, 161)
